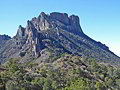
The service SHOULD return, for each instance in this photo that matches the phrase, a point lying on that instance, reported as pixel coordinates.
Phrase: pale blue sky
(100, 19)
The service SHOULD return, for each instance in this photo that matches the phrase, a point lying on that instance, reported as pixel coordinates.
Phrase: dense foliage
(67, 72)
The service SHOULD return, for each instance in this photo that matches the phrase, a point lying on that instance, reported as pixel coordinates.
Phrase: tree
(80, 84)
(109, 82)
(39, 82)
(110, 70)
(118, 83)
(47, 85)
(100, 86)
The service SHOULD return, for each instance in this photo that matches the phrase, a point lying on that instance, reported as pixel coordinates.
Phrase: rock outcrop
(21, 31)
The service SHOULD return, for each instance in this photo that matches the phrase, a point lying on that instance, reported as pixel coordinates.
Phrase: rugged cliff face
(40, 28)
(55, 33)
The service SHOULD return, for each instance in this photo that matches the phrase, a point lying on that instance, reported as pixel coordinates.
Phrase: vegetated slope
(66, 72)
(57, 33)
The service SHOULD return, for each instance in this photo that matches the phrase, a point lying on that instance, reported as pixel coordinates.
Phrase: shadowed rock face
(56, 32)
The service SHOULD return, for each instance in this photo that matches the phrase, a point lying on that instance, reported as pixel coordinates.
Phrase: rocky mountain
(51, 35)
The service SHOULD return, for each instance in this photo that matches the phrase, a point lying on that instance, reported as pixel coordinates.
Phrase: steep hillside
(66, 72)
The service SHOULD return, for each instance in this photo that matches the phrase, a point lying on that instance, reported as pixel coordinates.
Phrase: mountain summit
(52, 35)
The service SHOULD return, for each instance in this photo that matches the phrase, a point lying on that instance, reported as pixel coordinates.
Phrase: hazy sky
(100, 19)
